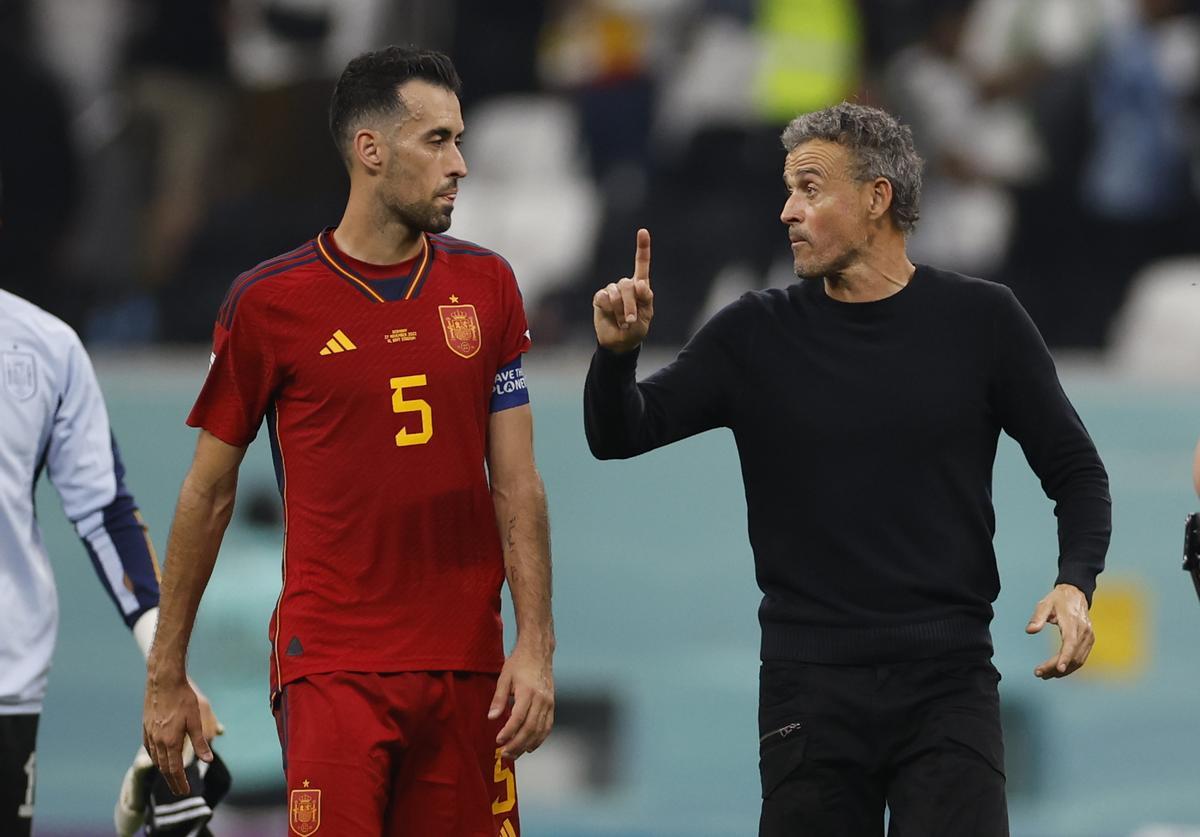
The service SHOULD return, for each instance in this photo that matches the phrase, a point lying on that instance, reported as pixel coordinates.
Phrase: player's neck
(375, 238)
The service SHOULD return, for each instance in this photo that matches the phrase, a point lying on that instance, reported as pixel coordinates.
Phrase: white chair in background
(1156, 335)
(519, 136)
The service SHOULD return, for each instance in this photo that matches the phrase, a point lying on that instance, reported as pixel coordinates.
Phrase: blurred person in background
(284, 57)
(53, 418)
(995, 97)
(598, 51)
(380, 347)
(1139, 188)
(1101, 94)
(179, 96)
(866, 402)
(975, 144)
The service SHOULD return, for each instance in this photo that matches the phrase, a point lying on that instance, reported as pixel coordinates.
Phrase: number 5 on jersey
(400, 404)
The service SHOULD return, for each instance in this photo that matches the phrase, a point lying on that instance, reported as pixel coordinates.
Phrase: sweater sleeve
(1034, 410)
(694, 393)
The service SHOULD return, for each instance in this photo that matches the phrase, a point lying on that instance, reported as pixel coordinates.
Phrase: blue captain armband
(509, 389)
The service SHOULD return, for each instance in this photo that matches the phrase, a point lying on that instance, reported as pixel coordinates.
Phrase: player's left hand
(1067, 607)
(528, 677)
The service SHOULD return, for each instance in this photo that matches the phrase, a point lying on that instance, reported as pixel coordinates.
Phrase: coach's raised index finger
(641, 259)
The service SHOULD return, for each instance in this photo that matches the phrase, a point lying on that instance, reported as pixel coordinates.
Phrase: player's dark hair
(370, 83)
(880, 145)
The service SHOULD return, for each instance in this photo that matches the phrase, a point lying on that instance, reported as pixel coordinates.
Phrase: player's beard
(425, 216)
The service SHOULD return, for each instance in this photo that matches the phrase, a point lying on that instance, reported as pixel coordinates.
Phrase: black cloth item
(838, 742)
(169, 815)
(18, 773)
(867, 434)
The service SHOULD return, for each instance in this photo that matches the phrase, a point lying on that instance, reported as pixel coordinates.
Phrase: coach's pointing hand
(622, 311)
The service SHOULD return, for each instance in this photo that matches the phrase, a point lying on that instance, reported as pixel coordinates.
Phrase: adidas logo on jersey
(338, 343)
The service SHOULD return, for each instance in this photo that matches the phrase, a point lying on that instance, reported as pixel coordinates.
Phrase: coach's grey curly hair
(881, 146)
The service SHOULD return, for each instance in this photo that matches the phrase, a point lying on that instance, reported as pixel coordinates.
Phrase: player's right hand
(622, 311)
(171, 713)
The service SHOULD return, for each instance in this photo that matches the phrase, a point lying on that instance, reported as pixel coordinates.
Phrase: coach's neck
(882, 268)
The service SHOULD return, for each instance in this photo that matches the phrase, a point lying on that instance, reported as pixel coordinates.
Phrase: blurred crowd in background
(151, 150)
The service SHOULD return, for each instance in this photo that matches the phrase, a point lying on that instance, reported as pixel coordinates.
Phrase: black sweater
(867, 434)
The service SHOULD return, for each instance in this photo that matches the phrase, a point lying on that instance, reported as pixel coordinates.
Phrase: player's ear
(369, 149)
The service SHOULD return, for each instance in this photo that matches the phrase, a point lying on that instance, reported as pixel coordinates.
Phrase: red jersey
(376, 385)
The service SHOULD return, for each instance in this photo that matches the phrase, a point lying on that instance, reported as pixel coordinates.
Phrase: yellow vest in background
(811, 54)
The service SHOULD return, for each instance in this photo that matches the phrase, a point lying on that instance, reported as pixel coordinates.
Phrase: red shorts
(384, 755)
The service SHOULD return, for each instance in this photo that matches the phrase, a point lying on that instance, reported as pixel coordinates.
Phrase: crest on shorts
(304, 811)
(460, 324)
(20, 375)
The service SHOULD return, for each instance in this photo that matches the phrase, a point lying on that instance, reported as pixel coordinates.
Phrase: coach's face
(827, 210)
(424, 162)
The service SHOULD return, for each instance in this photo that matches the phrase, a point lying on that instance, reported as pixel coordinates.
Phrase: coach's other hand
(1067, 607)
(172, 711)
(622, 311)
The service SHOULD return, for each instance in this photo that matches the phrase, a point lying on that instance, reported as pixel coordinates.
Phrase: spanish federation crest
(460, 324)
(304, 812)
(20, 375)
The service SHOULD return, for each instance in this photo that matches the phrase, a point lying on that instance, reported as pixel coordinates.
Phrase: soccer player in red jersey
(385, 359)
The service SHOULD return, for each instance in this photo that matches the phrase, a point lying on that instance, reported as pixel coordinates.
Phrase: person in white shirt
(53, 419)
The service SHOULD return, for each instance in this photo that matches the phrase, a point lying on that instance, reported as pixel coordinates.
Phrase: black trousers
(18, 771)
(839, 743)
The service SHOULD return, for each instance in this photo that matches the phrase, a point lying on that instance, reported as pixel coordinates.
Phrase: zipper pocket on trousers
(782, 732)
